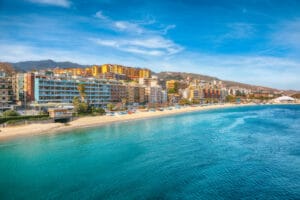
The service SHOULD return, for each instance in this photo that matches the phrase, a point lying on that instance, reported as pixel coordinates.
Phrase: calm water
(240, 153)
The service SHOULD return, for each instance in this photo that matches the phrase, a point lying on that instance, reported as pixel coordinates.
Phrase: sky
(250, 41)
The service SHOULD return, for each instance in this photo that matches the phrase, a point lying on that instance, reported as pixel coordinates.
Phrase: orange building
(29, 86)
(97, 70)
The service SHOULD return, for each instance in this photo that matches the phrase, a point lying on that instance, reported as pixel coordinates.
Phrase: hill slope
(43, 64)
(184, 75)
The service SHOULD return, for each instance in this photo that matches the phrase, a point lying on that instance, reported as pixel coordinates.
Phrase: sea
(250, 152)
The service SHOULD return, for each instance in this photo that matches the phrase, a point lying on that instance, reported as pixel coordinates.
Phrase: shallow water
(234, 153)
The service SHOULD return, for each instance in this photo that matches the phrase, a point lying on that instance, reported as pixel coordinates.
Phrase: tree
(10, 113)
(81, 89)
(176, 87)
(80, 107)
(195, 101)
(171, 91)
(110, 106)
(76, 103)
(100, 111)
(124, 101)
(184, 102)
(230, 98)
(238, 93)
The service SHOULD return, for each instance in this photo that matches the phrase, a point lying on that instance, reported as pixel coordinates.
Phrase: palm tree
(81, 89)
(124, 101)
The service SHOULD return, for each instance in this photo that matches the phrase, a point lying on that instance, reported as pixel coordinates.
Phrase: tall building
(154, 94)
(109, 71)
(29, 86)
(6, 92)
(97, 92)
(135, 94)
(19, 88)
(118, 93)
(6, 86)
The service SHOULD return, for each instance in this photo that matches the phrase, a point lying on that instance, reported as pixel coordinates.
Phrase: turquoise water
(236, 153)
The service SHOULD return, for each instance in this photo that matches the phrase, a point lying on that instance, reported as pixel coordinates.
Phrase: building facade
(97, 92)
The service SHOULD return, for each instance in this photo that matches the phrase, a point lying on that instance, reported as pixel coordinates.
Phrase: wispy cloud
(129, 27)
(167, 28)
(60, 3)
(100, 15)
(287, 34)
(137, 39)
(237, 31)
(153, 46)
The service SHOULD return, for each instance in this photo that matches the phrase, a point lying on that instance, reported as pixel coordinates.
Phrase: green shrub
(23, 117)
(10, 113)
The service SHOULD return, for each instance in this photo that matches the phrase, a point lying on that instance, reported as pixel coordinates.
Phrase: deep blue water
(236, 153)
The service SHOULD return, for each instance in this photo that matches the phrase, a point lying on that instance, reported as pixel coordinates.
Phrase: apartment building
(135, 94)
(6, 86)
(60, 90)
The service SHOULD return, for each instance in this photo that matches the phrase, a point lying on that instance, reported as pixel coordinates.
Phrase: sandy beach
(94, 121)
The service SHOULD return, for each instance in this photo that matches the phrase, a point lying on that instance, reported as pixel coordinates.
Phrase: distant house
(284, 99)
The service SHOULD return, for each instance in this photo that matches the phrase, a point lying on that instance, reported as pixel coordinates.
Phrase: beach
(94, 121)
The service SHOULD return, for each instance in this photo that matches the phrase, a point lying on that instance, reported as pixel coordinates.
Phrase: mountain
(44, 64)
(184, 75)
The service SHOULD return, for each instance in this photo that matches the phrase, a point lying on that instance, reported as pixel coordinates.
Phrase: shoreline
(98, 121)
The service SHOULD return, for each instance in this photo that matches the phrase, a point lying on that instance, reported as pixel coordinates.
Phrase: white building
(284, 99)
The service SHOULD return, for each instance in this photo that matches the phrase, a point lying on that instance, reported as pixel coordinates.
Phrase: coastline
(97, 121)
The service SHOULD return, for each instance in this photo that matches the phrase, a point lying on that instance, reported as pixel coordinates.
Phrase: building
(59, 90)
(29, 87)
(19, 88)
(135, 94)
(6, 86)
(154, 95)
(149, 82)
(6, 92)
(284, 99)
(107, 70)
(118, 92)
(171, 84)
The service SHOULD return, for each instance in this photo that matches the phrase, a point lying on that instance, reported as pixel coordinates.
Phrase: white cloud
(167, 28)
(237, 31)
(153, 46)
(129, 27)
(100, 15)
(61, 3)
(136, 38)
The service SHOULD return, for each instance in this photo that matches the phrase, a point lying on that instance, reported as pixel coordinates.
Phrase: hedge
(22, 117)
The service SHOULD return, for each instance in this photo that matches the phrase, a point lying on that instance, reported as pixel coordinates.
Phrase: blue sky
(255, 42)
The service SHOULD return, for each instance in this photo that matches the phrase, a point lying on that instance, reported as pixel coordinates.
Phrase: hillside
(183, 75)
(43, 64)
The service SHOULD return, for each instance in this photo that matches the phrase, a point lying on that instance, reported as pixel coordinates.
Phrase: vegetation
(230, 98)
(175, 89)
(124, 101)
(171, 91)
(100, 111)
(110, 106)
(10, 113)
(184, 102)
(81, 89)
(83, 108)
(14, 119)
(80, 107)
(195, 101)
